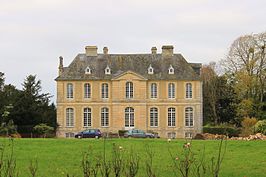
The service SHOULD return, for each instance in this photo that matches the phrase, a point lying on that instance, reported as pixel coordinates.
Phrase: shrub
(248, 126)
(260, 127)
(121, 132)
(230, 131)
(7, 129)
(43, 129)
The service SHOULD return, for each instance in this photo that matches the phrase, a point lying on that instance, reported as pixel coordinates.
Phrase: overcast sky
(34, 33)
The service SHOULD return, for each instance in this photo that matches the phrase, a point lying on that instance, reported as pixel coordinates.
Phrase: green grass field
(58, 157)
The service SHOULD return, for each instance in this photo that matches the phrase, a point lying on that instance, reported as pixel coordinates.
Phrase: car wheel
(79, 137)
(96, 137)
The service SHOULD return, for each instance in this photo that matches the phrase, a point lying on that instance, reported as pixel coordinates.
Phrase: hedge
(230, 131)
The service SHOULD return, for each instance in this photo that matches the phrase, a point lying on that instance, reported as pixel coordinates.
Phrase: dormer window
(107, 70)
(171, 70)
(150, 70)
(88, 70)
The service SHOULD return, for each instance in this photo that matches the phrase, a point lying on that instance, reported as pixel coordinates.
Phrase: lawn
(59, 157)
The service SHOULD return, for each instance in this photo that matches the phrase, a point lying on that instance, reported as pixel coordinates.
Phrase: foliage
(43, 129)
(121, 132)
(30, 107)
(248, 126)
(8, 129)
(260, 127)
(222, 130)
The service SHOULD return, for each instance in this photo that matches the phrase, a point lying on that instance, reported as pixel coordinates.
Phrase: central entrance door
(129, 118)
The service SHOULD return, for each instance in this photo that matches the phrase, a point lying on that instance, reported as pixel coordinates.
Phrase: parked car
(136, 133)
(89, 133)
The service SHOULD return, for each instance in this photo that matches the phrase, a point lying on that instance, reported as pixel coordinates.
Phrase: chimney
(91, 51)
(154, 50)
(167, 51)
(105, 50)
(61, 67)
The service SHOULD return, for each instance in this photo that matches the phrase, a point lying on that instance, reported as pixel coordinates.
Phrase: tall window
(188, 90)
(153, 117)
(87, 90)
(104, 117)
(129, 90)
(171, 90)
(129, 117)
(189, 117)
(153, 90)
(171, 117)
(105, 90)
(69, 90)
(87, 117)
(69, 117)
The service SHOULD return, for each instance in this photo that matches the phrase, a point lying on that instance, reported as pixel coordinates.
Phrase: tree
(2, 81)
(43, 129)
(32, 106)
(246, 63)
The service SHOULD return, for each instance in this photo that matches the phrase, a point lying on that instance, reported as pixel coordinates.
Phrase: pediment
(129, 75)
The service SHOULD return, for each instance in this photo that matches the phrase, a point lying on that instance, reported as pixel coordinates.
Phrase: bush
(230, 131)
(43, 129)
(248, 126)
(8, 128)
(260, 127)
(121, 132)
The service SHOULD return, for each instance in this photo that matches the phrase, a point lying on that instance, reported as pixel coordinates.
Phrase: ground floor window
(188, 135)
(129, 117)
(70, 135)
(171, 135)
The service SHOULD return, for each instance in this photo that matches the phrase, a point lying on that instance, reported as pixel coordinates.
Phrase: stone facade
(178, 117)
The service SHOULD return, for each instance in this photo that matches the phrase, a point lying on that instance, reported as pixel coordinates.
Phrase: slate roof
(138, 63)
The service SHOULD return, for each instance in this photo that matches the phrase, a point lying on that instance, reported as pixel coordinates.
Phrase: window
(104, 117)
(188, 135)
(171, 70)
(105, 90)
(107, 70)
(153, 117)
(69, 117)
(69, 90)
(171, 135)
(188, 90)
(129, 90)
(87, 117)
(153, 90)
(70, 135)
(150, 70)
(171, 90)
(129, 117)
(87, 90)
(189, 117)
(88, 70)
(171, 117)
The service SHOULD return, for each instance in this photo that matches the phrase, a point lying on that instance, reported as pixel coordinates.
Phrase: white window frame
(88, 70)
(189, 117)
(70, 117)
(150, 70)
(171, 116)
(105, 90)
(171, 70)
(153, 117)
(129, 90)
(129, 117)
(104, 117)
(87, 117)
(70, 135)
(87, 90)
(70, 91)
(154, 90)
(171, 90)
(107, 70)
(188, 90)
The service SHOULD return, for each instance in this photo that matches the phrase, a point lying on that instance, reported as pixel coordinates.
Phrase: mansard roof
(138, 63)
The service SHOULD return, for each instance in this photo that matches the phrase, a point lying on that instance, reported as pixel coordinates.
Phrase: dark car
(89, 133)
(135, 133)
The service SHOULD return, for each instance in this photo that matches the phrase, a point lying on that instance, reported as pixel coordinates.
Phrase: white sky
(34, 33)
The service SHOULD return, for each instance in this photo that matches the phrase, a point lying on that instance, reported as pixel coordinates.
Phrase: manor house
(159, 92)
